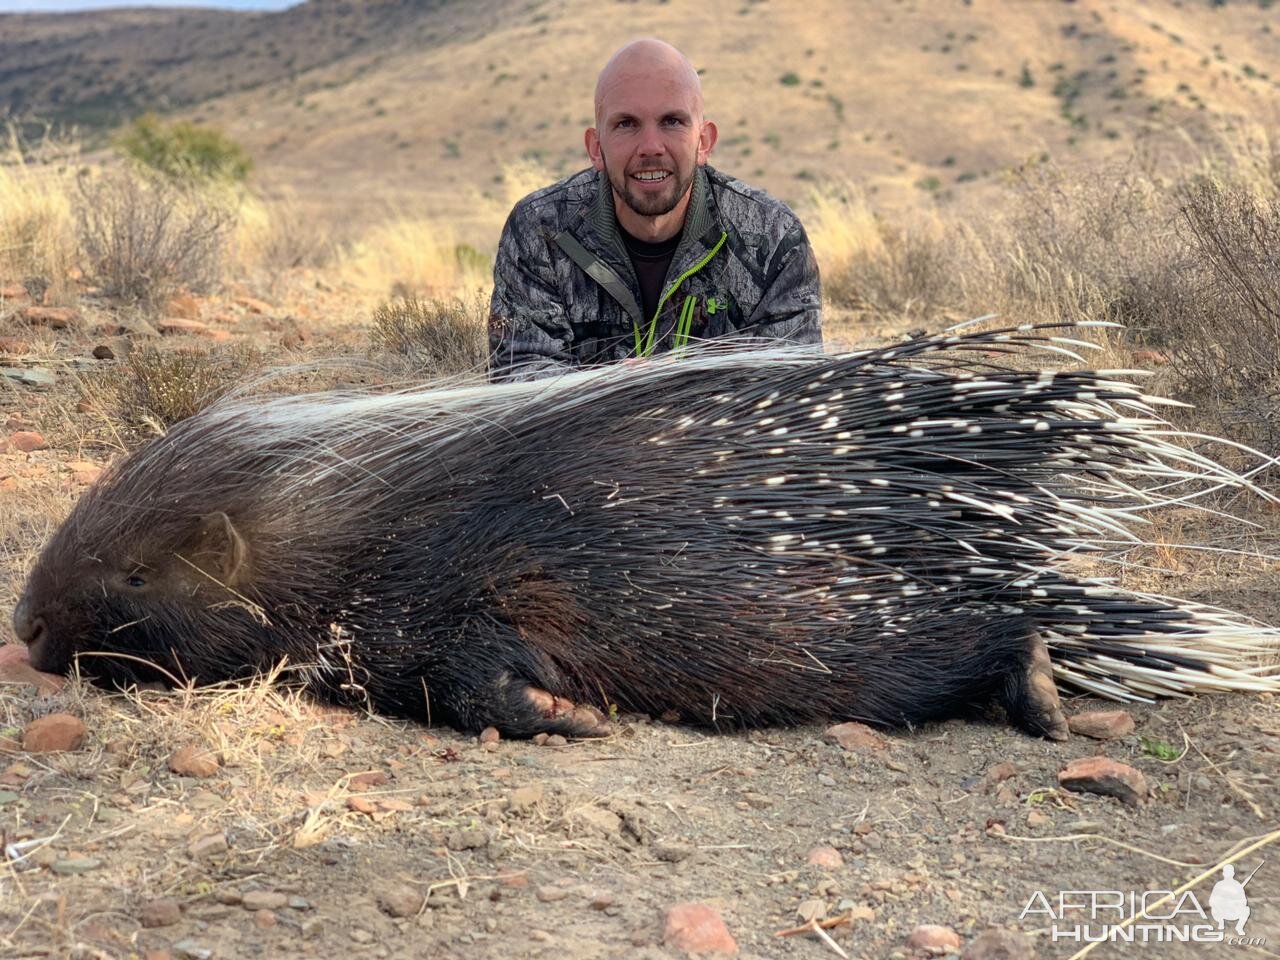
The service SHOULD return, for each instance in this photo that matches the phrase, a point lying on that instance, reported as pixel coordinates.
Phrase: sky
(57, 6)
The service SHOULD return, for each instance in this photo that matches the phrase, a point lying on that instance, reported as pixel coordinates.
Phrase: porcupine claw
(566, 717)
(1032, 701)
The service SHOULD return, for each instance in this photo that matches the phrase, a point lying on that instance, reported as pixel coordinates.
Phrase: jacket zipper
(644, 346)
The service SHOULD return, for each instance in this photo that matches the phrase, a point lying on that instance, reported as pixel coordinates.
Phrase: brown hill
(363, 108)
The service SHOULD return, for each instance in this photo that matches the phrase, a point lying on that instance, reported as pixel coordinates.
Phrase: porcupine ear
(222, 547)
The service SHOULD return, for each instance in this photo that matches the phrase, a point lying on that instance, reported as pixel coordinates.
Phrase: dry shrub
(153, 389)
(37, 227)
(438, 337)
(875, 267)
(145, 238)
(276, 235)
(412, 256)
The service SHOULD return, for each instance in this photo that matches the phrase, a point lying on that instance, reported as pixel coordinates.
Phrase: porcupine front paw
(1031, 696)
(520, 709)
(568, 718)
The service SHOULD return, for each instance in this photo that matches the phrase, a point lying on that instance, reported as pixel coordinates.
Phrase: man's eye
(624, 123)
(673, 121)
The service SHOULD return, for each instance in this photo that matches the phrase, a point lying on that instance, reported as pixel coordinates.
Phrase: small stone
(103, 352)
(811, 910)
(299, 903)
(192, 950)
(75, 865)
(194, 762)
(367, 779)
(361, 805)
(15, 667)
(209, 846)
(55, 318)
(1104, 776)
(828, 858)
(602, 900)
(264, 919)
(860, 912)
(855, 736)
(401, 900)
(672, 851)
(254, 305)
(1036, 819)
(555, 740)
(697, 928)
(1000, 773)
(361, 935)
(551, 894)
(27, 441)
(999, 945)
(599, 819)
(53, 733)
(490, 735)
(170, 326)
(164, 912)
(255, 900)
(933, 939)
(1102, 724)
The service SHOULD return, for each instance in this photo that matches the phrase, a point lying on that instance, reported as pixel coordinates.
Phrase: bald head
(649, 63)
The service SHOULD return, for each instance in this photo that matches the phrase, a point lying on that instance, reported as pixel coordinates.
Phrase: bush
(145, 238)
(183, 151)
(37, 228)
(437, 337)
(276, 235)
(152, 389)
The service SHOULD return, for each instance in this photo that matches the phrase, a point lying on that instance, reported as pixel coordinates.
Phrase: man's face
(650, 140)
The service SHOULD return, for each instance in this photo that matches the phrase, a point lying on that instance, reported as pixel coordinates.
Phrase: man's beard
(655, 205)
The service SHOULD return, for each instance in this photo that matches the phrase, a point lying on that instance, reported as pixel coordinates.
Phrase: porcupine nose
(30, 629)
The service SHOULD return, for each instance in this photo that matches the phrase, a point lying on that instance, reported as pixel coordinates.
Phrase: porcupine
(743, 537)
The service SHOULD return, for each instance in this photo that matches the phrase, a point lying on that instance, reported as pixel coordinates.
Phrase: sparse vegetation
(145, 238)
(183, 151)
(438, 337)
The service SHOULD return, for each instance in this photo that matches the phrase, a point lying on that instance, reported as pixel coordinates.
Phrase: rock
(53, 733)
(551, 894)
(933, 939)
(13, 291)
(15, 667)
(171, 326)
(598, 819)
(103, 352)
(55, 318)
(1102, 724)
(811, 910)
(1000, 773)
(1036, 818)
(855, 736)
(184, 305)
(697, 928)
(192, 950)
(999, 945)
(401, 900)
(164, 912)
(194, 762)
(1104, 776)
(367, 779)
(75, 865)
(255, 900)
(84, 472)
(490, 735)
(361, 805)
(27, 441)
(205, 847)
(14, 346)
(826, 857)
(254, 305)
(31, 377)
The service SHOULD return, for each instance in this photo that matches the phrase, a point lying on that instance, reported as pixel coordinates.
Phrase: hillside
(362, 108)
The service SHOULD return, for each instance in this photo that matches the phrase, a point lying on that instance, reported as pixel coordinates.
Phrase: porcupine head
(157, 574)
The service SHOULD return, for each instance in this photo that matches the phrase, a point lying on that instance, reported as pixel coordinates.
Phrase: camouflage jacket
(565, 293)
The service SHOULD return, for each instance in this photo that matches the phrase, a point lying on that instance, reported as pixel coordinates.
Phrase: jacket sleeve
(529, 332)
(790, 306)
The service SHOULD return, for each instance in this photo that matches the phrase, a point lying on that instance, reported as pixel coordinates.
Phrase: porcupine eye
(135, 581)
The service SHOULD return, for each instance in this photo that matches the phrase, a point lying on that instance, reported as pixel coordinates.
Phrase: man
(650, 248)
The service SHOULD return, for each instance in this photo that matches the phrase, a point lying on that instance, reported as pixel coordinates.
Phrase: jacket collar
(698, 222)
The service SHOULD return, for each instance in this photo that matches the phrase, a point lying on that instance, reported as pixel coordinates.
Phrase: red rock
(202, 848)
(14, 291)
(15, 667)
(1102, 724)
(933, 939)
(25, 441)
(370, 778)
(1001, 772)
(856, 736)
(361, 805)
(264, 900)
(164, 912)
(14, 346)
(264, 918)
(826, 857)
(490, 735)
(254, 305)
(55, 318)
(176, 325)
(194, 762)
(84, 471)
(54, 733)
(697, 928)
(1104, 776)
(401, 900)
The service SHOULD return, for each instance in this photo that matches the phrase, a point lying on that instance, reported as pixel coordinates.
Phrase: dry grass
(274, 235)
(411, 256)
(37, 225)
(438, 337)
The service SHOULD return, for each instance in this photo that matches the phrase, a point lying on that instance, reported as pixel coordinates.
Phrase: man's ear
(222, 551)
(592, 140)
(706, 140)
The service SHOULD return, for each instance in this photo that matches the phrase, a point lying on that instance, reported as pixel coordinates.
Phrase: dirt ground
(323, 833)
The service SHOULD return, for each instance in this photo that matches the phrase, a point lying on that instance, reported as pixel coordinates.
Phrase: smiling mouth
(651, 176)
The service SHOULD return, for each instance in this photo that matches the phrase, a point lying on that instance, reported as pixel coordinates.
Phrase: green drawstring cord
(685, 326)
(644, 346)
